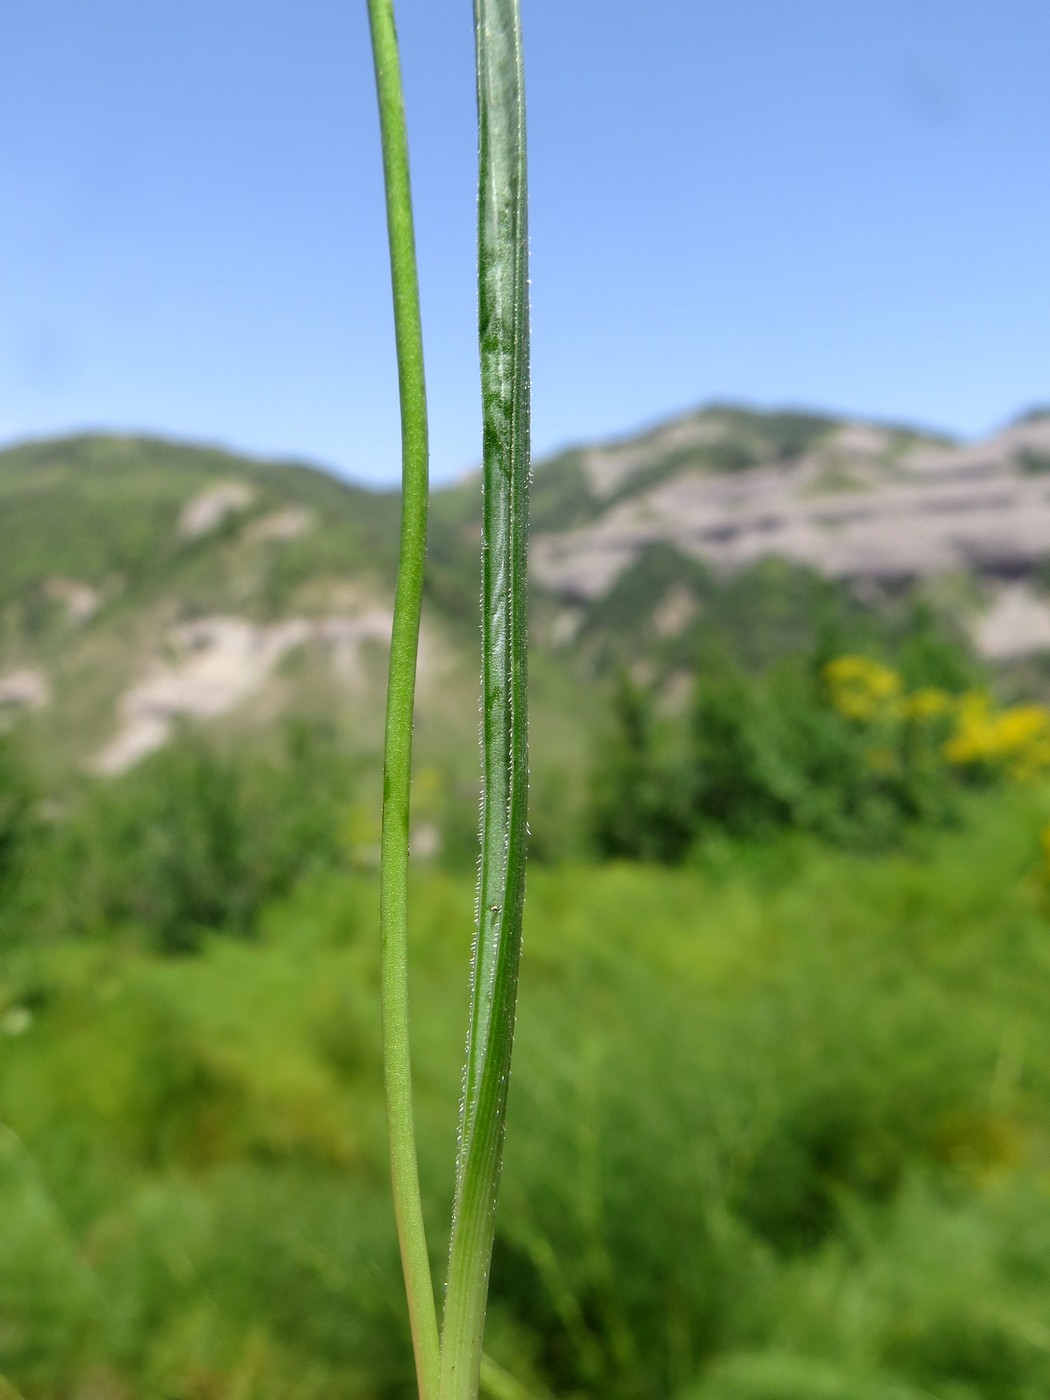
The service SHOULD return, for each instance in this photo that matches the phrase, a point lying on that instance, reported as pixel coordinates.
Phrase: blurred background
(780, 1127)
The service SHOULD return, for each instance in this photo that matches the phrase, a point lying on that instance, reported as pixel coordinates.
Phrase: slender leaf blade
(401, 688)
(504, 345)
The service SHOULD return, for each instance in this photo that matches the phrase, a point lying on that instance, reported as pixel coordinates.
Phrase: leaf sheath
(504, 345)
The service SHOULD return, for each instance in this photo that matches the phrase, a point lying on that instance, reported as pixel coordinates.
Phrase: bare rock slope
(857, 502)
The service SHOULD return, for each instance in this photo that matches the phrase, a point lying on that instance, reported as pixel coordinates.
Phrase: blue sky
(840, 204)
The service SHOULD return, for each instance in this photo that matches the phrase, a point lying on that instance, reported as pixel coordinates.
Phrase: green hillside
(102, 561)
(104, 510)
(138, 578)
(149, 587)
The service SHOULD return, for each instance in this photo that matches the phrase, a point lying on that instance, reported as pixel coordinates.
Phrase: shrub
(194, 839)
(16, 812)
(639, 803)
(844, 746)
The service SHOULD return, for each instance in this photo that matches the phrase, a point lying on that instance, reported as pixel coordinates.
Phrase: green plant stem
(404, 645)
(504, 345)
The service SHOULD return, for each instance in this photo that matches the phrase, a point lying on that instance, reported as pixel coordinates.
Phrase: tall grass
(450, 1368)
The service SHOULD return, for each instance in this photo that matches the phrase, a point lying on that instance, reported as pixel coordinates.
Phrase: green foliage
(620, 618)
(640, 802)
(773, 752)
(779, 1127)
(930, 650)
(798, 1118)
(17, 822)
(45, 1287)
(105, 512)
(776, 753)
(744, 439)
(561, 495)
(191, 840)
(757, 616)
(1033, 463)
(790, 434)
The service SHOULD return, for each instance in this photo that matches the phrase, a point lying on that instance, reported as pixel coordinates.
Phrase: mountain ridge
(144, 582)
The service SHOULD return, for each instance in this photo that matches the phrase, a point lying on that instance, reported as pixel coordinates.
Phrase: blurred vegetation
(18, 822)
(101, 510)
(194, 838)
(781, 1114)
(745, 440)
(780, 1127)
(773, 610)
(856, 750)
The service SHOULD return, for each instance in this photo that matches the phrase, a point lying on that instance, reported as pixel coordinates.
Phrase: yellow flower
(970, 743)
(861, 688)
(1016, 739)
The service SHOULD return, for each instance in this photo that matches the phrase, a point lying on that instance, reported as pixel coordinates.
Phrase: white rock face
(1018, 622)
(925, 510)
(607, 468)
(80, 599)
(674, 612)
(217, 664)
(280, 525)
(208, 510)
(24, 689)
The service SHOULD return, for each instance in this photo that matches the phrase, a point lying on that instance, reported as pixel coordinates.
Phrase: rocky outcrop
(24, 689)
(865, 503)
(207, 511)
(217, 663)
